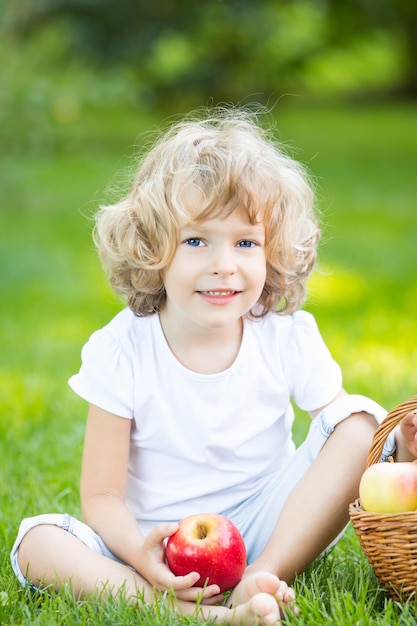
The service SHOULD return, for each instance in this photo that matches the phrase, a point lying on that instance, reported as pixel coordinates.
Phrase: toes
(269, 583)
(265, 609)
(286, 601)
(284, 593)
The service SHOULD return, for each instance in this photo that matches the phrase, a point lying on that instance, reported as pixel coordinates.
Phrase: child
(189, 387)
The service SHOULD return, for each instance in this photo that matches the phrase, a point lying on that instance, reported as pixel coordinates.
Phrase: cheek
(262, 266)
(174, 269)
(259, 274)
(180, 275)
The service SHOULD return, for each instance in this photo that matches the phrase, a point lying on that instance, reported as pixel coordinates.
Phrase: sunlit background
(80, 80)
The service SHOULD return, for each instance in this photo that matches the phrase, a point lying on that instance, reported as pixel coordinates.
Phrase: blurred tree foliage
(235, 49)
(63, 63)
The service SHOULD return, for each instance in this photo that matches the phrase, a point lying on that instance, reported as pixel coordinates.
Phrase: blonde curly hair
(226, 160)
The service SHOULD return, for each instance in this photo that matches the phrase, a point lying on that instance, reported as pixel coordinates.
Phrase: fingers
(208, 595)
(184, 589)
(161, 576)
(411, 419)
(179, 583)
(219, 597)
(408, 433)
(160, 532)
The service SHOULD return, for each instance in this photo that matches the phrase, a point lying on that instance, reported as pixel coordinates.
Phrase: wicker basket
(389, 540)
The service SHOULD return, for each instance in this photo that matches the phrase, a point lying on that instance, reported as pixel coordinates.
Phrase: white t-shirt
(203, 442)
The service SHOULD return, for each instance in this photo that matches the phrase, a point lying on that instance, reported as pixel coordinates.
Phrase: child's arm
(103, 485)
(406, 438)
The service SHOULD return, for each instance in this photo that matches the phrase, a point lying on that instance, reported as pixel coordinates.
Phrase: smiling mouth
(229, 292)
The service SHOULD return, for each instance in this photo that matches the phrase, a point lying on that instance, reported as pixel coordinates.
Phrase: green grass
(53, 295)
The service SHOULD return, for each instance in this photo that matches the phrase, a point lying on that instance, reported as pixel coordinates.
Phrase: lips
(219, 296)
(220, 293)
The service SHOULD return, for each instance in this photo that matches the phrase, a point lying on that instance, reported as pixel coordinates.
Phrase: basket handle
(386, 426)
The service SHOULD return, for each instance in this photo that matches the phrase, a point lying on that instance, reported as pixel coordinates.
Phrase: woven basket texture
(389, 540)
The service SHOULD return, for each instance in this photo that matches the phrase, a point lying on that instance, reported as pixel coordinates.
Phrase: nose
(223, 262)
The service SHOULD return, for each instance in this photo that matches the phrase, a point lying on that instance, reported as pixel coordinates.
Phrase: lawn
(54, 294)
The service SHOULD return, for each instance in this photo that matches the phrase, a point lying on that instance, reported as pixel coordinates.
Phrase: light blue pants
(256, 516)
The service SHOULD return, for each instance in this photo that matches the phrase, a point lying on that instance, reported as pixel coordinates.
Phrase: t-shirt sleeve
(313, 375)
(105, 377)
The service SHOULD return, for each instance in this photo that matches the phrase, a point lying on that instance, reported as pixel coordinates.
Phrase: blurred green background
(80, 80)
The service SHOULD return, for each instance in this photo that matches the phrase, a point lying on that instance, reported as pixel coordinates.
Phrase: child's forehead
(238, 216)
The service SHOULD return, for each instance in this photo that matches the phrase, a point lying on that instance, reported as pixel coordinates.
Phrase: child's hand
(406, 438)
(152, 566)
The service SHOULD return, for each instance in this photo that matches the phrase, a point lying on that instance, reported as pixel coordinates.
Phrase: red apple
(211, 545)
(389, 487)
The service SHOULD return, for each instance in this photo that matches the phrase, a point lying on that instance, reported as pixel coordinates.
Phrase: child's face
(218, 272)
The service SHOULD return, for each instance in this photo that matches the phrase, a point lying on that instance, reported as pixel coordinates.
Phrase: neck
(205, 351)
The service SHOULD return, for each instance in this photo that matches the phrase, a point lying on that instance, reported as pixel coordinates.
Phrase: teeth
(219, 293)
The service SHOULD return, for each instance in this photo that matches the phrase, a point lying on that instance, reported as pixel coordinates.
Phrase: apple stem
(201, 530)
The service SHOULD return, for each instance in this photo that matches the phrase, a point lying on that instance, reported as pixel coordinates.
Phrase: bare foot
(260, 599)
(263, 584)
(261, 610)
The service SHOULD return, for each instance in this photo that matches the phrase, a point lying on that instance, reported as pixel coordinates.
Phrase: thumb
(415, 443)
(161, 531)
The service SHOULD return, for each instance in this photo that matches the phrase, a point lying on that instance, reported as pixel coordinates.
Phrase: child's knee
(34, 540)
(358, 430)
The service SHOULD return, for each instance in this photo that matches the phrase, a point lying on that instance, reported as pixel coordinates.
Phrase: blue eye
(193, 241)
(245, 244)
